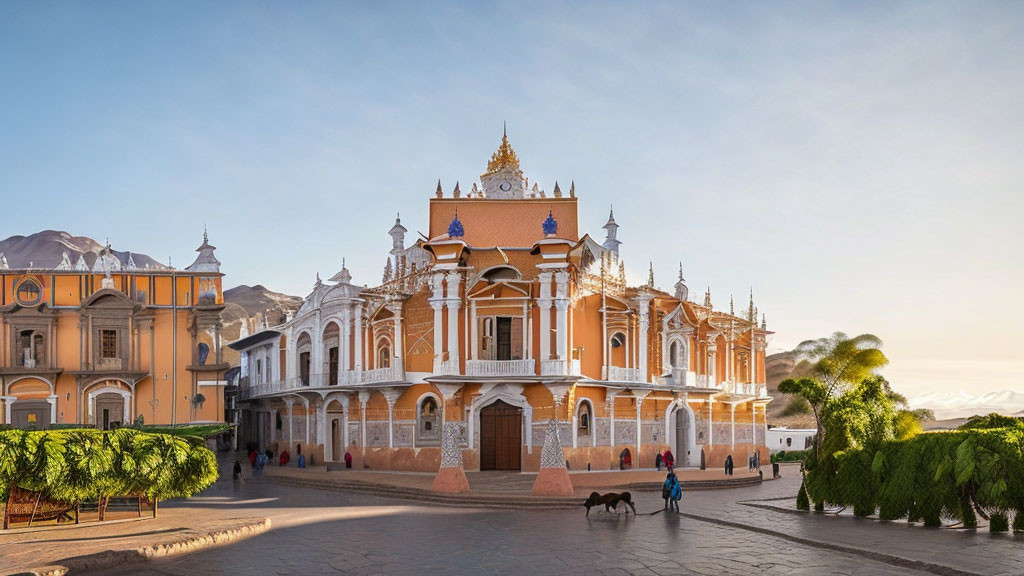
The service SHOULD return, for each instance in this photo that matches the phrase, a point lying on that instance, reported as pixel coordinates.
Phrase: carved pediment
(108, 298)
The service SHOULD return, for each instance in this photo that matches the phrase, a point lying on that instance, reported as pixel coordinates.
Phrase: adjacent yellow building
(104, 343)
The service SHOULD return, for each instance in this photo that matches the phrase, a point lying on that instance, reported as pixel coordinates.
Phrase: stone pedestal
(553, 479)
(451, 477)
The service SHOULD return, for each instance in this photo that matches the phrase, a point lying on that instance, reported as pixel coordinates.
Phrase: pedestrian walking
(236, 472)
(301, 462)
(669, 459)
(671, 492)
(728, 465)
(284, 458)
(657, 461)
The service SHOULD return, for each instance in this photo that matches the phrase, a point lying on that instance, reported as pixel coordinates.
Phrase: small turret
(456, 193)
(206, 261)
(558, 191)
(343, 276)
(707, 298)
(439, 193)
(764, 322)
(650, 276)
(682, 292)
(572, 189)
(397, 234)
(611, 242)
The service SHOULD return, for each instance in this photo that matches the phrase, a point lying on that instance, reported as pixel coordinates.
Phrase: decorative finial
(206, 237)
(455, 229)
(504, 129)
(439, 193)
(764, 322)
(505, 157)
(457, 193)
(550, 226)
(572, 189)
(732, 310)
(707, 299)
(681, 279)
(650, 276)
(318, 281)
(558, 191)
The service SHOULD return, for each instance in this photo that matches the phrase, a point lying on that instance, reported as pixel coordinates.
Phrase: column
(305, 405)
(343, 339)
(610, 401)
(364, 397)
(291, 416)
(753, 424)
(711, 429)
(526, 316)
(562, 316)
(398, 346)
(391, 395)
(357, 332)
(732, 420)
(273, 425)
(453, 302)
(605, 360)
(437, 303)
(474, 336)
(639, 429)
(544, 301)
(643, 299)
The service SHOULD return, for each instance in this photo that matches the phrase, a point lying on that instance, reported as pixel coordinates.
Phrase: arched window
(673, 355)
(428, 430)
(259, 371)
(28, 293)
(618, 340)
(384, 353)
(584, 420)
(501, 273)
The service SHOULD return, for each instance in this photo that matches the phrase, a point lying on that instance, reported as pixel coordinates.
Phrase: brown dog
(610, 501)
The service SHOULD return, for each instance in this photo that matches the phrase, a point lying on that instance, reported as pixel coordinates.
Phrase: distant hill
(959, 405)
(45, 250)
(778, 367)
(252, 303)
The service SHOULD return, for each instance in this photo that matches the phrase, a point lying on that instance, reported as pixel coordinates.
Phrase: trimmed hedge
(952, 474)
(85, 464)
(790, 456)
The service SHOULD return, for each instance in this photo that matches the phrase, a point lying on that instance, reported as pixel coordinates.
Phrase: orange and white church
(507, 335)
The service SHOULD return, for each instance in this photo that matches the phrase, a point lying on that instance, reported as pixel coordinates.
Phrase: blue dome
(455, 229)
(550, 226)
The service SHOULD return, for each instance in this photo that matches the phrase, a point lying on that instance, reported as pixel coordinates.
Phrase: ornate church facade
(506, 326)
(101, 342)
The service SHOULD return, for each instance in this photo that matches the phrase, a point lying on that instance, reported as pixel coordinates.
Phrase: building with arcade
(507, 327)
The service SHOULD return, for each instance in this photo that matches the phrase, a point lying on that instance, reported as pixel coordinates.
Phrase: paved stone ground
(322, 532)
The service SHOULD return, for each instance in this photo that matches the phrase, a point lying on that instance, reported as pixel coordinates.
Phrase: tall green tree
(829, 367)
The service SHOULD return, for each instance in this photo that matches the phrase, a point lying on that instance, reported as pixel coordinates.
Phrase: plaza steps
(471, 499)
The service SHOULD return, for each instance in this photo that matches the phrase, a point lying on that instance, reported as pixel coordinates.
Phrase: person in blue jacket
(671, 491)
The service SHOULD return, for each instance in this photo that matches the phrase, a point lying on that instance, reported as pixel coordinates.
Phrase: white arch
(419, 404)
(575, 421)
(126, 395)
(684, 351)
(483, 273)
(512, 396)
(342, 399)
(40, 378)
(682, 458)
(10, 400)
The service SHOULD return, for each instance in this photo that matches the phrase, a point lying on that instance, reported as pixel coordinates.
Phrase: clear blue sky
(861, 165)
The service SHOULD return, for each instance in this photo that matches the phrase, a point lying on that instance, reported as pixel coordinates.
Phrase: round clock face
(505, 186)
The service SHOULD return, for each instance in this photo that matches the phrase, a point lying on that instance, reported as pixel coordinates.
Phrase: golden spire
(505, 157)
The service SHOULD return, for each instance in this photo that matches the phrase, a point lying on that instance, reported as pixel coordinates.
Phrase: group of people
(257, 460)
(665, 458)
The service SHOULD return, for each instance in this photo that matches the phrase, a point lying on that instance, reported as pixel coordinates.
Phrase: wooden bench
(25, 505)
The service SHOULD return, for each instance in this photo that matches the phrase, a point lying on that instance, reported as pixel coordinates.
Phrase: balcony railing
(619, 374)
(446, 367)
(500, 367)
(559, 368)
(347, 378)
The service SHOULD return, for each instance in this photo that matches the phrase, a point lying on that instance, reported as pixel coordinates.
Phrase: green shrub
(927, 477)
(1018, 521)
(998, 523)
(802, 503)
(83, 464)
(790, 456)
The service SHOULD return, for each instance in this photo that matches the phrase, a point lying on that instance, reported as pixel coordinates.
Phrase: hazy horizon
(857, 165)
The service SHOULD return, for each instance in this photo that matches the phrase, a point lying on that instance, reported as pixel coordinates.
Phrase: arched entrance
(501, 437)
(30, 414)
(336, 439)
(109, 411)
(684, 436)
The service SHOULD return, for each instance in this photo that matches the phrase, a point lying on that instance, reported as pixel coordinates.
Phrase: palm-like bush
(83, 464)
